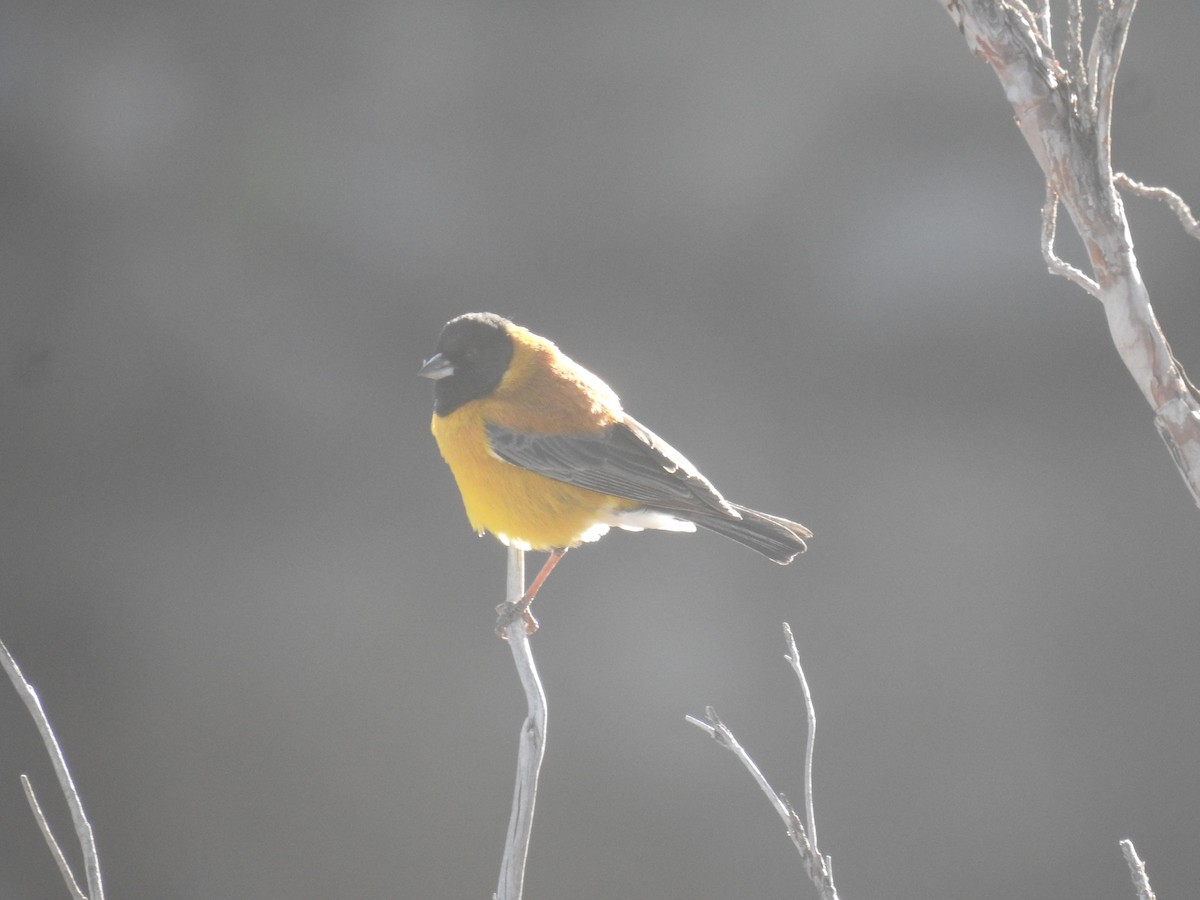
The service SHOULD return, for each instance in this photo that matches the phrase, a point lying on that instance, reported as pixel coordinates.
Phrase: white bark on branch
(1137, 871)
(817, 866)
(1167, 196)
(532, 744)
(1065, 113)
(60, 858)
(83, 828)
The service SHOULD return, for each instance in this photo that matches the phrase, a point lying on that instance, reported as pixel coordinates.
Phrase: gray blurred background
(800, 239)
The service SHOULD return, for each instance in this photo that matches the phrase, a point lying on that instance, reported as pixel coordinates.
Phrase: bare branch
(1035, 23)
(1044, 20)
(1056, 264)
(1104, 58)
(532, 743)
(83, 828)
(720, 732)
(64, 867)
(793, 658)
(1137, 871)
(1070, 138)
(818, 868)
(1167, 196)
(1075, 47)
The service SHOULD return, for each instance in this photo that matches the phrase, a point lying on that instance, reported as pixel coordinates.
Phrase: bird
(546, 458)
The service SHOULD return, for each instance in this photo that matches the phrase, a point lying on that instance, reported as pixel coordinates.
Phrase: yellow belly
(519, 507)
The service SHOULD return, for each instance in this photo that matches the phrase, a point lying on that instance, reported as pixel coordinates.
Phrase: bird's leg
(522, 605)
(531, 624)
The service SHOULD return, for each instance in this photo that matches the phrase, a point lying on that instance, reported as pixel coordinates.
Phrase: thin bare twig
(793, 658)
(1045, 23)
(532, 743)
(720, 732)
(1167, 196)
(1035, 22)
(83, 828)
(818, 868)
(60, 859)
(1056, 264)
(1104, 59)
(1137, 871)
(1075, 48)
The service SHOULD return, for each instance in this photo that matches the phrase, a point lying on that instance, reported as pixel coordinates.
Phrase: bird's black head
(473, 352)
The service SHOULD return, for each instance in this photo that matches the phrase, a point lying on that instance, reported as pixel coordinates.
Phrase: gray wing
(625, 460)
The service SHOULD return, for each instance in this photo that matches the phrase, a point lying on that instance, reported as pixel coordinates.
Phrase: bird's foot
(507, 613)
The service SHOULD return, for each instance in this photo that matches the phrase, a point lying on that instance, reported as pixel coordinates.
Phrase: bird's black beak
(437, 366)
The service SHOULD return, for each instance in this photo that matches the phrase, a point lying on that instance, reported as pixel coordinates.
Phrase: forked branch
(1065, 116)
(819, 868)
(83, 828)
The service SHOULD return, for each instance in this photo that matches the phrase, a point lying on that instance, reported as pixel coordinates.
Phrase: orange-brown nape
(546, 459)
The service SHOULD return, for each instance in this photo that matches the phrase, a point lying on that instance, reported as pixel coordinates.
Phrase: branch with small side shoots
(818, 867)
(1064, 113)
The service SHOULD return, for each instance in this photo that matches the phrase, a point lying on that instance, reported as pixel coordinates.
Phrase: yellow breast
(519, 507)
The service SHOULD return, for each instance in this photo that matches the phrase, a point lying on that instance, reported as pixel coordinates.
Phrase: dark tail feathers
(777, 539)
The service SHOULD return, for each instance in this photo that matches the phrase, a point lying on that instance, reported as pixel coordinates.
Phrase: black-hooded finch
(546, 459)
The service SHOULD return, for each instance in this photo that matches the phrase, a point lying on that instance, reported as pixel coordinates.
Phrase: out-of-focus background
(800, 239)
